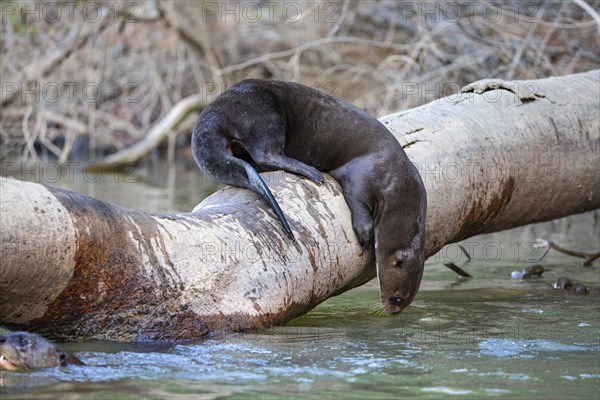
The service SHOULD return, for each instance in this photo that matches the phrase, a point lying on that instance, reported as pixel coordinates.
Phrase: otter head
(25, 351)
(400, 244)
(400, 272)
(400, 253)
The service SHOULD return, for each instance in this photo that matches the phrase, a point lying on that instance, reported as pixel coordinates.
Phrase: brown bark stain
(111, 295)
(313, 261)
(482, 214)
(408, 144)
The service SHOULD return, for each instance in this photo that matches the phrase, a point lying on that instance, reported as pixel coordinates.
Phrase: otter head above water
(27, 351)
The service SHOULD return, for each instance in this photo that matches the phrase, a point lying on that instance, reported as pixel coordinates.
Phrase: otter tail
(258, 185)
(215, 161)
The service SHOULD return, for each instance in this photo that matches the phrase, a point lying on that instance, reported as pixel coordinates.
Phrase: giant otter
(26, 351)
(288, 126)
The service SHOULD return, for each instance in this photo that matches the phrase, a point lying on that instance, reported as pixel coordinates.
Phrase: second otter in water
(287, 126)
(25, 351)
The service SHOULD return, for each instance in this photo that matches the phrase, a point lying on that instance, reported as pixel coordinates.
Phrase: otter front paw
(364, 236)
(317, 177)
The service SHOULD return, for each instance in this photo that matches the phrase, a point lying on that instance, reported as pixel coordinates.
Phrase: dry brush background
(83, 79)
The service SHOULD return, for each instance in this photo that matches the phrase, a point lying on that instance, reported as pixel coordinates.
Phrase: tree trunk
(499, 155)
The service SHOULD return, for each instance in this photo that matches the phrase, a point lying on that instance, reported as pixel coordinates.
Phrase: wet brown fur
(27, 351)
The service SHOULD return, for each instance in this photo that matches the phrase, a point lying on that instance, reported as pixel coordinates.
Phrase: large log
(491, 159)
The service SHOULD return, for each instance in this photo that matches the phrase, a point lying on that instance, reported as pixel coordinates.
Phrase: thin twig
(588, 258)
(590, 10)
(457, 269)
(465, 252)
(309, 45)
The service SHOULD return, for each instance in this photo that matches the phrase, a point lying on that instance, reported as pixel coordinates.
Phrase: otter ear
(62, 358)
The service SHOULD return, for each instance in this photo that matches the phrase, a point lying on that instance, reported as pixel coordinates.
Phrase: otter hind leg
(287, 164)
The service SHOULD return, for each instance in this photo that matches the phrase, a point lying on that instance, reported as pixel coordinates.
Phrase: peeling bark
(73, 266)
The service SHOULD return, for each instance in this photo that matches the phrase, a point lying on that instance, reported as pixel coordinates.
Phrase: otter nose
(396, 301)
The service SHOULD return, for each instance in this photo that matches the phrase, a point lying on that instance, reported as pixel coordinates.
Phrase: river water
(487, 337)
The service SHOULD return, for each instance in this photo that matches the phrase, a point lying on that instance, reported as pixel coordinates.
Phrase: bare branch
(588, 258)
(157, 134)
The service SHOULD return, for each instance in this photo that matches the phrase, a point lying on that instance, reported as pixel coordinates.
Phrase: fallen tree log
(499, 155)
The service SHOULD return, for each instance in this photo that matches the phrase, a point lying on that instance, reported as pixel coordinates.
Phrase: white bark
(490, 161)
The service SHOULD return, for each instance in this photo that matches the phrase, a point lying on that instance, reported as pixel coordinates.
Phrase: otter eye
(400, 257)
(62, 357)
(23, 340)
